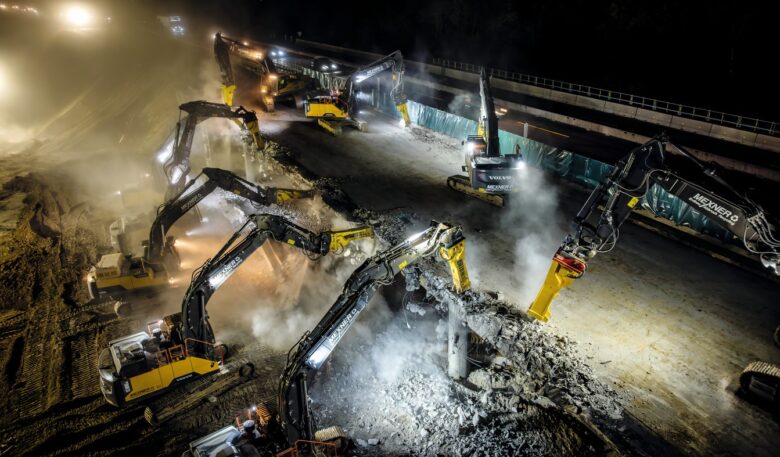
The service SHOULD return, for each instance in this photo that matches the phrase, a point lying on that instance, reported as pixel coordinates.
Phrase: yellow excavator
(340, 105)
(182, 347)
(611, 203)
(443, 241)
(122, 276)
(490, 175)
(274, 84)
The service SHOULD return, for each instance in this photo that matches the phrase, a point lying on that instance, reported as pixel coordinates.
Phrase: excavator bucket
(455, 254)
(563, 271)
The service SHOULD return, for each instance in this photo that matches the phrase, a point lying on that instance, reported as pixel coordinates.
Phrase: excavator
(182, 347)
(597, 228)
(120, 275)
(441, 240)
(491, 176)
(273, 84)
(175, 155)
(340, 105)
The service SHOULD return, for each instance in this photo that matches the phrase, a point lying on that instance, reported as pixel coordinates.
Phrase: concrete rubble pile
(533, 398)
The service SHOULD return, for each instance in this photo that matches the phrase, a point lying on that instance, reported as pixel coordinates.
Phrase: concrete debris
(524, 402)
(536, 364)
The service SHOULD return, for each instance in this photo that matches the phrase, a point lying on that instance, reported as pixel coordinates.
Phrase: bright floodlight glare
(520, 165)
(319, 355)
(165, 152)
(78, 15)
(401, 123)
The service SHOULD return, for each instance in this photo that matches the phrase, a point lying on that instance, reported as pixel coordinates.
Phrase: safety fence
(567, 165)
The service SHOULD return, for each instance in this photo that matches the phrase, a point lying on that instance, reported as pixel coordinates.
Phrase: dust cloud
(532, 216)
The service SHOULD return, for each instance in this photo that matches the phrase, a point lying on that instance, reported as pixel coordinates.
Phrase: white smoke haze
(532, 218)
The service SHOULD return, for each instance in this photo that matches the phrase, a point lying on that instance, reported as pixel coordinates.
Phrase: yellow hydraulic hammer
(339, 239)
(563, 271)
(455, 255)
(402, 108)
(227, 94)
(284, 195)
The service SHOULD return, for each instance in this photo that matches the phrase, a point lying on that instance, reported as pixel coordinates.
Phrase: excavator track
(762, 379)
(462, 184)
(194, 393)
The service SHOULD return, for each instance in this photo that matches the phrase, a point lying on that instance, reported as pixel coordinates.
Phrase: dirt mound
(44, 256)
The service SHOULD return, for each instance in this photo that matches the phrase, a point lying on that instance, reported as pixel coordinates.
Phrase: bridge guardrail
(690, 112)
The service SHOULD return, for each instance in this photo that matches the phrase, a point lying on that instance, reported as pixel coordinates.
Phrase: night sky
(719, 55)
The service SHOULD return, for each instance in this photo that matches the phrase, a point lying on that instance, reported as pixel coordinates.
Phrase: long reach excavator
(490, 175)
(597, 228)
(273, 84)
(340, 106)
(182, 347)
(122, 276)
(444, 241)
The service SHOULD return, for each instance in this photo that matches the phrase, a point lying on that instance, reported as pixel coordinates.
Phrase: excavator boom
(442, 240)
(139, 365)
(176, 162)
(192, 194)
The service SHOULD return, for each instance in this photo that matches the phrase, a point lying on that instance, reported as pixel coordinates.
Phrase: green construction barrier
(565, 164)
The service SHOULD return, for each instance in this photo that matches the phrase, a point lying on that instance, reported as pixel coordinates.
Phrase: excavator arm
(222, 54)
(176, 163)
(207, 279)
(442, 240)
(611, 203)
(252, 59)
(393, 62)
(192, 194)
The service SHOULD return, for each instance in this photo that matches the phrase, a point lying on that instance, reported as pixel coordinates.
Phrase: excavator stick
(285, 195)
(563, 271)
(462, 184)
(339, 239)
(455, 255)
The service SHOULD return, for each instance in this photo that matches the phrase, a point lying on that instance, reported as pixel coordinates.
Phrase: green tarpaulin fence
(565, 164)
